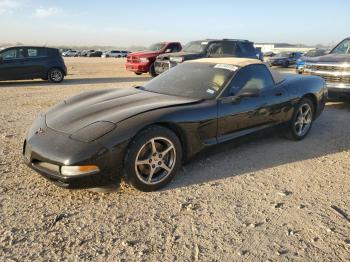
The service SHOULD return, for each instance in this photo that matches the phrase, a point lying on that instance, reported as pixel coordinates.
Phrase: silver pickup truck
(334, 68)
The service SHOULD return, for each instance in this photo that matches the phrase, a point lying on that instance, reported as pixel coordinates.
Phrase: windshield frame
(345, 40)
(204, 49)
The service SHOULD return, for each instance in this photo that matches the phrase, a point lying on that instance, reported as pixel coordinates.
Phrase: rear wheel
(138, 73)
(55, 75)
(301, 122)
(153, 158)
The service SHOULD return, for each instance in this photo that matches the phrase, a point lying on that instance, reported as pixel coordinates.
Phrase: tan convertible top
(240, 62)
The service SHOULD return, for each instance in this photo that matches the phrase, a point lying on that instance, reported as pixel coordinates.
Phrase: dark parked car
(334, 68)
(299, 66)
(145, 133)
(206, 48)
(30, 62)
(284, 59)
(95, 54)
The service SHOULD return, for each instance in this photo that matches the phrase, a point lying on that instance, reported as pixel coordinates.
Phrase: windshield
(343, 48)
(195, 47)
(195, 80)
(156, 47)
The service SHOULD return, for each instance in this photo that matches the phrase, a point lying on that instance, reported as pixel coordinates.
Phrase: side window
(247, 49)
(229, 48)
(13, 53)
(214, 49)
(9, 54)
(251, 77)
(36, 52)
(32, 52)
(174, 48)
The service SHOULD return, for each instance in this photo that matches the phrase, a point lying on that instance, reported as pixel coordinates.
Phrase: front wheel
(138, 73)
(55, 75)
(153, 158)
(152, 71)
(302, 119)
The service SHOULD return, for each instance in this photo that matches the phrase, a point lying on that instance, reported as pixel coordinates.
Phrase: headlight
(93, 131)
(144, 60)
(78, 170)
(176, 59)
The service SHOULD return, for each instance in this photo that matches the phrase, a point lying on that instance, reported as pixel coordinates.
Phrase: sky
(137, 22)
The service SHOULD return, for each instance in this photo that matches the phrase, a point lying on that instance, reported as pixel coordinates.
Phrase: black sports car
(145, 133)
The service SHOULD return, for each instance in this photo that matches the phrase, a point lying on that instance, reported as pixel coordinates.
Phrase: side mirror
(168, 50)
(250, 92)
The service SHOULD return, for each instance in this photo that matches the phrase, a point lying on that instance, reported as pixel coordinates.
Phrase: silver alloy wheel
(303, 120)
(155, 160)
(56, 75)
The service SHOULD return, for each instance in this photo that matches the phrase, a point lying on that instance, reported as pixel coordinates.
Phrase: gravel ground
(266, 198)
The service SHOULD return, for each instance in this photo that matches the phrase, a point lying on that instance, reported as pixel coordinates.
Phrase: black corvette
(144, 133)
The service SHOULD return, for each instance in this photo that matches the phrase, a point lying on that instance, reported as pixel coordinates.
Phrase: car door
(11, 66)
(35, 62)
(252, 101)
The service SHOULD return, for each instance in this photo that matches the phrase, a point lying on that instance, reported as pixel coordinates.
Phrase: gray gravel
(267, 198)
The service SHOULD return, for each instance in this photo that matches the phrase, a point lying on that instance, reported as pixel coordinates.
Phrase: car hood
(330, 58)
(185, 55)
(145, 53)
(112, 105)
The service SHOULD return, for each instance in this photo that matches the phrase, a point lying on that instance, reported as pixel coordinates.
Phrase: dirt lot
(266, 199)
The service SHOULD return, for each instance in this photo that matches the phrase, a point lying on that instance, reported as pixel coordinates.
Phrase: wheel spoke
(306, 113)
(143, 162)
(166, 151)
(298, 122)
(307, 121)
(154, 149)
(149, 178)
(165, 167)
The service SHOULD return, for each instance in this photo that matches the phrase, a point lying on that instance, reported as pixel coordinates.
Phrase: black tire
(292, 132)
(136, 175)
(138, 73)
(55, 75)
(286, 64)
(152, 71)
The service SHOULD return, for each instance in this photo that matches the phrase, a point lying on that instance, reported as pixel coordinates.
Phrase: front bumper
(337, 81)
(48, 150)
(137, 67)
(162, 66)
(336, 90)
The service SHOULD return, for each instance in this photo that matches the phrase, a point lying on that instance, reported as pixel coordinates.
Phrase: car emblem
(39, 131)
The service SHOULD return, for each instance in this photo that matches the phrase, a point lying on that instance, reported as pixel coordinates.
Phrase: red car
(143, 61)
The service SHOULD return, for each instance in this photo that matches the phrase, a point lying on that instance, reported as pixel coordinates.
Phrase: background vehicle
(146, 132)
(312, 53)
(71, 53)
(94, 54)
(115, 53)
(29, 62)
(206, 48)
(284, 59)
(334, 68)
(143, 61)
